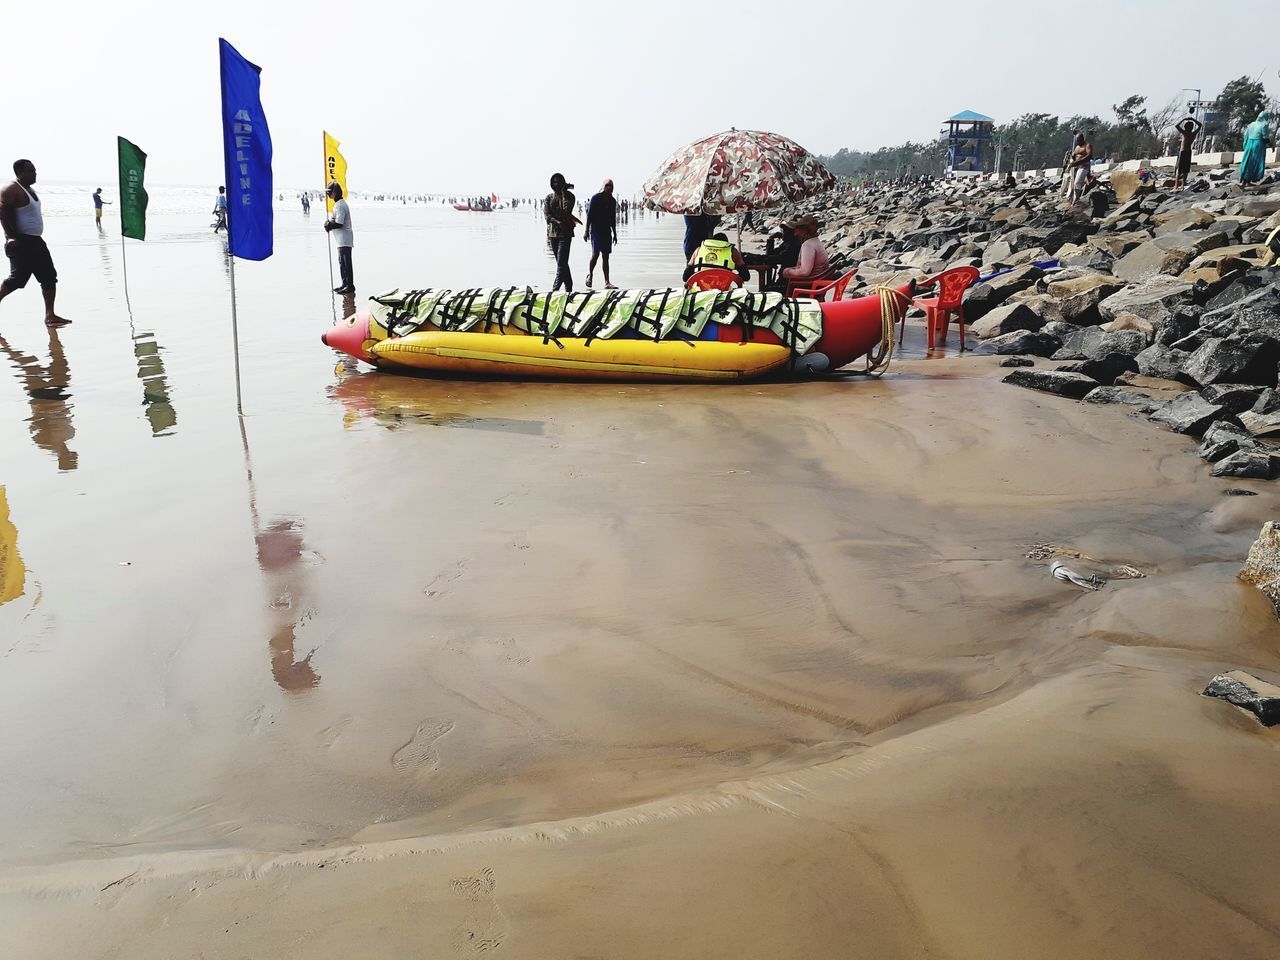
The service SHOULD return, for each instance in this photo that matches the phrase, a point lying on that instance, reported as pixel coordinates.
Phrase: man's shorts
(29, 257)
(601, 243)
(1184, 165)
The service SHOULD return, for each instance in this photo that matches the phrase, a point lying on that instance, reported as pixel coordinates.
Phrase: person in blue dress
(1257, 137)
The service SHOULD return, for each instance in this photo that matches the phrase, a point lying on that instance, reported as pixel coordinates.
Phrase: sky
(487, 96)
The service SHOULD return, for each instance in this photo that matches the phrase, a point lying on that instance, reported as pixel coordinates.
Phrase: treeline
(1039, 140)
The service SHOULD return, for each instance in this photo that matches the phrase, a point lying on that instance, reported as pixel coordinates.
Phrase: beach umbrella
(735, 171)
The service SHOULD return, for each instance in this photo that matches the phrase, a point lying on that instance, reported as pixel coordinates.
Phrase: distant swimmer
(220, 210)
(97, 206)
(24, 241)
(339, 223)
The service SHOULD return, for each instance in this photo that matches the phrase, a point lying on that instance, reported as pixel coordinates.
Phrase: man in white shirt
(340, 222)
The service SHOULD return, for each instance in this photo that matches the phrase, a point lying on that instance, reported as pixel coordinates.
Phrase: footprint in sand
(440, 585)
(419, 754)
(484, 926)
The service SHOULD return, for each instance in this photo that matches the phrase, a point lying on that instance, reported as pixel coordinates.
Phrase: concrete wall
(1199, 161)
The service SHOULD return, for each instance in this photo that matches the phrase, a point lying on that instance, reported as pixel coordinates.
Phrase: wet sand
(419, 668)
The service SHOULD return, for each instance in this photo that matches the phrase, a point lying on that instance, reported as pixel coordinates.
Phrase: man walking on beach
(557, 208)
(24, 244)
(97, 206)
(340, 221)
(602, 230)
(220, 210)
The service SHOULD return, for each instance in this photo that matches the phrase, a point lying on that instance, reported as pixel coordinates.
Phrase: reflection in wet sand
(395, 401)
(280, 555)
(283, 557)
(155, 385)
(47, 387)
(13, 572)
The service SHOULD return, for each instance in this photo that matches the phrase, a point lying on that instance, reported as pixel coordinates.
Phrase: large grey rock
(1118, 244)
(1127, 342)
(1006, 319)
(1078, 298)
(1186, 219)
(1167, 254)
(1022, 341)
(1188, 413)
(1081, 344)
(1222, 439)
(1154, 299)
(1219, 360)
(987, 296)
(1130, 398)
(1233, 397)
(1246, 691)
(1262, 566)
(1257, 313)
(1160, 361)
(1104, 369)
(1131, 321)
(1074, 385)
(1251, 464)
(1261, 424)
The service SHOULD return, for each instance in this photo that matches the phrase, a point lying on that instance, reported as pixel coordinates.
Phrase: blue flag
(246, 151)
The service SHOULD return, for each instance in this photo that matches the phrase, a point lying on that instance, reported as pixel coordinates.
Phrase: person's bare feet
(56, 321)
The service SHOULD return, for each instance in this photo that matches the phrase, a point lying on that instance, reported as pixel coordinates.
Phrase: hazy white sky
(494, 95)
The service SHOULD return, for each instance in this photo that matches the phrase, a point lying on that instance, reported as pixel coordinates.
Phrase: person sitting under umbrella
(717, 253)
(814, 262)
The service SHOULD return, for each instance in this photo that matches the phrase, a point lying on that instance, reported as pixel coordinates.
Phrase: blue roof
(970, 115)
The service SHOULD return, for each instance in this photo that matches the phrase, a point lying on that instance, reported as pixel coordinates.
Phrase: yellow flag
(335, 169)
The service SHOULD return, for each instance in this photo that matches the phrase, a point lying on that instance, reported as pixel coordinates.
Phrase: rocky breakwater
(1164, 301)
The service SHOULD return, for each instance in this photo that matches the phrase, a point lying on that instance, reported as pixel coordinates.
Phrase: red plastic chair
(938, 310)
(819, 288)
(713, 278)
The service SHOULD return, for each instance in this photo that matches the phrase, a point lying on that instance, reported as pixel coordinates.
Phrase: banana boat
(632, 335)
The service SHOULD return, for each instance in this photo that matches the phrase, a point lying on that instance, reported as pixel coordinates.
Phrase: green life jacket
(714, 253)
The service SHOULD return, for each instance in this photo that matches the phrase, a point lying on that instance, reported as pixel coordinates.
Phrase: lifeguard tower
(966, 133)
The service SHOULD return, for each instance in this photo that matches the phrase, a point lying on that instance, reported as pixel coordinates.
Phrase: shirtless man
(23, 241)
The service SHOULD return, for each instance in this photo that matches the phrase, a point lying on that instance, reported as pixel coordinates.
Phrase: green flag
(133, 198)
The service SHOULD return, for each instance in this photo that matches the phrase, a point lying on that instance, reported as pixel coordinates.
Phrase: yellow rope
(893, 307)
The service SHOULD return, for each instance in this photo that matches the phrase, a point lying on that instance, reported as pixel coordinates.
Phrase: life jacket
(714, 253)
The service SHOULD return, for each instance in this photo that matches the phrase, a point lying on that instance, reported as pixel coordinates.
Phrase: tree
(1131, 113)
(1239, 104)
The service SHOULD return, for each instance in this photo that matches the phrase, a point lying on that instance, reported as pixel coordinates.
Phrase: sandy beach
(426, 668)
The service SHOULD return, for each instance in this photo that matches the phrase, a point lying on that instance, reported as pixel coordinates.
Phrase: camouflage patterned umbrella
(736, 171)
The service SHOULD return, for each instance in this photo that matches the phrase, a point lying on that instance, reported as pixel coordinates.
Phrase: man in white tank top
(24, 244)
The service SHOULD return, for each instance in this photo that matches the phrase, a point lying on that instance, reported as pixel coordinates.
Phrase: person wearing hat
(813, 262)
(557, 208)
(339, 221)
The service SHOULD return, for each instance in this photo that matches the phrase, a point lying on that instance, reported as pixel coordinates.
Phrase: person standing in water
(602, 231)
(97, 206)
(339, 222)
(220, 210)
(24, 244)
(557, 208)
